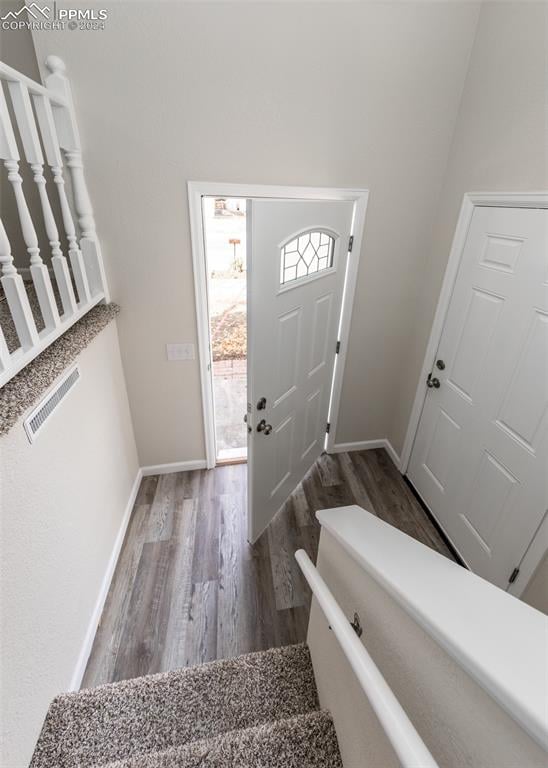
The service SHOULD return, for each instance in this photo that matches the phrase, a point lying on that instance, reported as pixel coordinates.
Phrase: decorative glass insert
(306, 254)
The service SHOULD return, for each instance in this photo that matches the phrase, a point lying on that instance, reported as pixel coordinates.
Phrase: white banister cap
(56, 65)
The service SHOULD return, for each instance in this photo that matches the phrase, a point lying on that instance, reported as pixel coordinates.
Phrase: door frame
(470, 201)
(199, 189)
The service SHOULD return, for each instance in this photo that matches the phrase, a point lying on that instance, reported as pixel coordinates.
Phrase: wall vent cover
(38, 417)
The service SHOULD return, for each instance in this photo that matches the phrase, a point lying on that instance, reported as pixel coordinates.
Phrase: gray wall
(16, 46)
(327, 94)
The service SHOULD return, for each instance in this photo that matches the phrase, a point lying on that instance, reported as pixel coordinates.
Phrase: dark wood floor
(188, 588)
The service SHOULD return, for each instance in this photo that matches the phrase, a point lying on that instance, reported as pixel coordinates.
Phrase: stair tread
(153, 713)
(305, 741)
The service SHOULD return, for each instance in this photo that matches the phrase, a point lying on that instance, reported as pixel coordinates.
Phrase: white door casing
(480, 451)
(292, 335)
(196, 191)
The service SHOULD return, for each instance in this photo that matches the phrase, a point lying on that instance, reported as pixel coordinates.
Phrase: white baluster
(69, 139)
(16, 296)
(38, 270)
(33, 152)
(55, 161)
(76, 257)
(31, 145)
(75, 254)
(82, 203)
(8, 145)
(4, 353)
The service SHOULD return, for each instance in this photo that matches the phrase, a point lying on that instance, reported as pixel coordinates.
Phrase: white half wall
(62, 504)
(460, 723)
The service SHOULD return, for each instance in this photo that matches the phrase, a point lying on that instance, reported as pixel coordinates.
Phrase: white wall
(326, 94)
(459, 722)
(62, 500)
(500, 144)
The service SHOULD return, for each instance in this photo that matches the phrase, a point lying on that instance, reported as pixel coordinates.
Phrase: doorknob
(432, 382)
(262, 426)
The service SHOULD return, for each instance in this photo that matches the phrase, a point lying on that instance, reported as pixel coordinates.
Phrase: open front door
(297, 256)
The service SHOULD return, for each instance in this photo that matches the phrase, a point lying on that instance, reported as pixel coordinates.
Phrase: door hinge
(513, 576)
(338, 348)
(350, 242)
(327, 427)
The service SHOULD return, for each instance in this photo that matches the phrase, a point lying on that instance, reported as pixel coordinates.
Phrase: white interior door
(297, 256)
(480, 454)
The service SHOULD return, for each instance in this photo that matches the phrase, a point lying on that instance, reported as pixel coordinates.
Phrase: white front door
(297, 256)
(479, 459)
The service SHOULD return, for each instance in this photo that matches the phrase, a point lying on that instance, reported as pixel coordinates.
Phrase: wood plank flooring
(188, 588)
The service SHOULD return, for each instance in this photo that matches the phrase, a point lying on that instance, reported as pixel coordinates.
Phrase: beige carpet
(259, 710)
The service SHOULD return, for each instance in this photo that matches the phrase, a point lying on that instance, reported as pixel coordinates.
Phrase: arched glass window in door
(306, 255)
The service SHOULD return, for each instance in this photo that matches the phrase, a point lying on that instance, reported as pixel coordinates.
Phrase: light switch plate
(180, 351)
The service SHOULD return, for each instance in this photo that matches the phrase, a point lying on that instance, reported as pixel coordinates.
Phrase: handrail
(408, 745)
(12, 75)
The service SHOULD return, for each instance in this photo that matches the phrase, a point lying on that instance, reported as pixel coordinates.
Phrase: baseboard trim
(87, 645)
(366, 445)
(157, 469)
(163, 469)
(176, 466)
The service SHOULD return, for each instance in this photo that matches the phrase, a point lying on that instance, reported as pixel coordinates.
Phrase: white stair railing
(411, 750)
(44, 118)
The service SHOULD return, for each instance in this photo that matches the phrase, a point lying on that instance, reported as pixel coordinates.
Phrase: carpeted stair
(256, 711)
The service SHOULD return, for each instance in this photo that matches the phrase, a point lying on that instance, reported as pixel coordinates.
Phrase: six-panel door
(480, 454)
(297, 256)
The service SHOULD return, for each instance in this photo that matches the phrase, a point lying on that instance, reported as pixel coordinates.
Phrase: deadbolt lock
(261, 404)
(440, 365)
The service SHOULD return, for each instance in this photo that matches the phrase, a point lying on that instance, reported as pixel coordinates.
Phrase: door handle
(432, 382)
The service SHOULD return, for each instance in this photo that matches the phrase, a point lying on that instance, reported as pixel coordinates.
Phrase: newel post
(69, 141)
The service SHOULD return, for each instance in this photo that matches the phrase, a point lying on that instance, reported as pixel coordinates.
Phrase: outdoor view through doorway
(225, 245)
